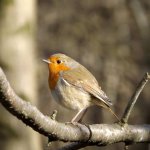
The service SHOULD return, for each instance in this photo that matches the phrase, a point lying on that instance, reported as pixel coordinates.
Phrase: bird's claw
(72, 123)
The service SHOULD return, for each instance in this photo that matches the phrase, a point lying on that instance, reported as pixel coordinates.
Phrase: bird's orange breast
(53, 78)
(54, 70)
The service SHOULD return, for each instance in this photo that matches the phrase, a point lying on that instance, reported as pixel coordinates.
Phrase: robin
(74, 87)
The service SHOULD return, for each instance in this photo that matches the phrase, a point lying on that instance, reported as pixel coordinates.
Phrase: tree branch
(97, 134)
(134, 98)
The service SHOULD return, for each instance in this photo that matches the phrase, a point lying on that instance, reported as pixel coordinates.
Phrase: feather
(81, 78)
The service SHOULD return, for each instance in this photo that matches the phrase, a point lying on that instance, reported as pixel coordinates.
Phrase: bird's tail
(99, 103)
(113, 113)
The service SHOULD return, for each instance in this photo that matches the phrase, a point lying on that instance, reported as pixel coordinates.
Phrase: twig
(134, 98)
(53, 115)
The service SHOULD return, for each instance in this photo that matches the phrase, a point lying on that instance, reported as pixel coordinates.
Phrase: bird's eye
(59, 61)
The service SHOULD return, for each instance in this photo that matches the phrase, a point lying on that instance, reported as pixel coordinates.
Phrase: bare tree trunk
(17, 56)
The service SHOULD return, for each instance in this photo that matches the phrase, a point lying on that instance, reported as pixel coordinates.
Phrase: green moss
(4, 3)
(28, 28)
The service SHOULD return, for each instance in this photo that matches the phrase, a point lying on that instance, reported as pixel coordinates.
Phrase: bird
(74, 87)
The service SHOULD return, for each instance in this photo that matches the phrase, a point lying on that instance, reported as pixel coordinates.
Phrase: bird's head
(60, 62)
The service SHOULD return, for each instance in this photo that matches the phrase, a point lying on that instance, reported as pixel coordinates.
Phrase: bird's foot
(72, 123)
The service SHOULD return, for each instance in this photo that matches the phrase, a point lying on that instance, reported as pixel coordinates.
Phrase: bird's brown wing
(84, 80)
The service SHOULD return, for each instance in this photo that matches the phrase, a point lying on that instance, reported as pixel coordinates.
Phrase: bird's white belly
(71, 96)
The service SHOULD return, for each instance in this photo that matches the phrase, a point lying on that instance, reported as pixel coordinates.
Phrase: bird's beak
(47, 61)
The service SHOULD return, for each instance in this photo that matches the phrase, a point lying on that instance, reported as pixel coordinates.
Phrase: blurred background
(110, 38)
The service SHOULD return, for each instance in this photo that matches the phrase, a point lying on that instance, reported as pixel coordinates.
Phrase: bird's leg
(79, 116)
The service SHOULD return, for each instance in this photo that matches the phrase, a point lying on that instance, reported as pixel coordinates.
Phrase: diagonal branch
(32, 117)
(134, 98)
(97, 134)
